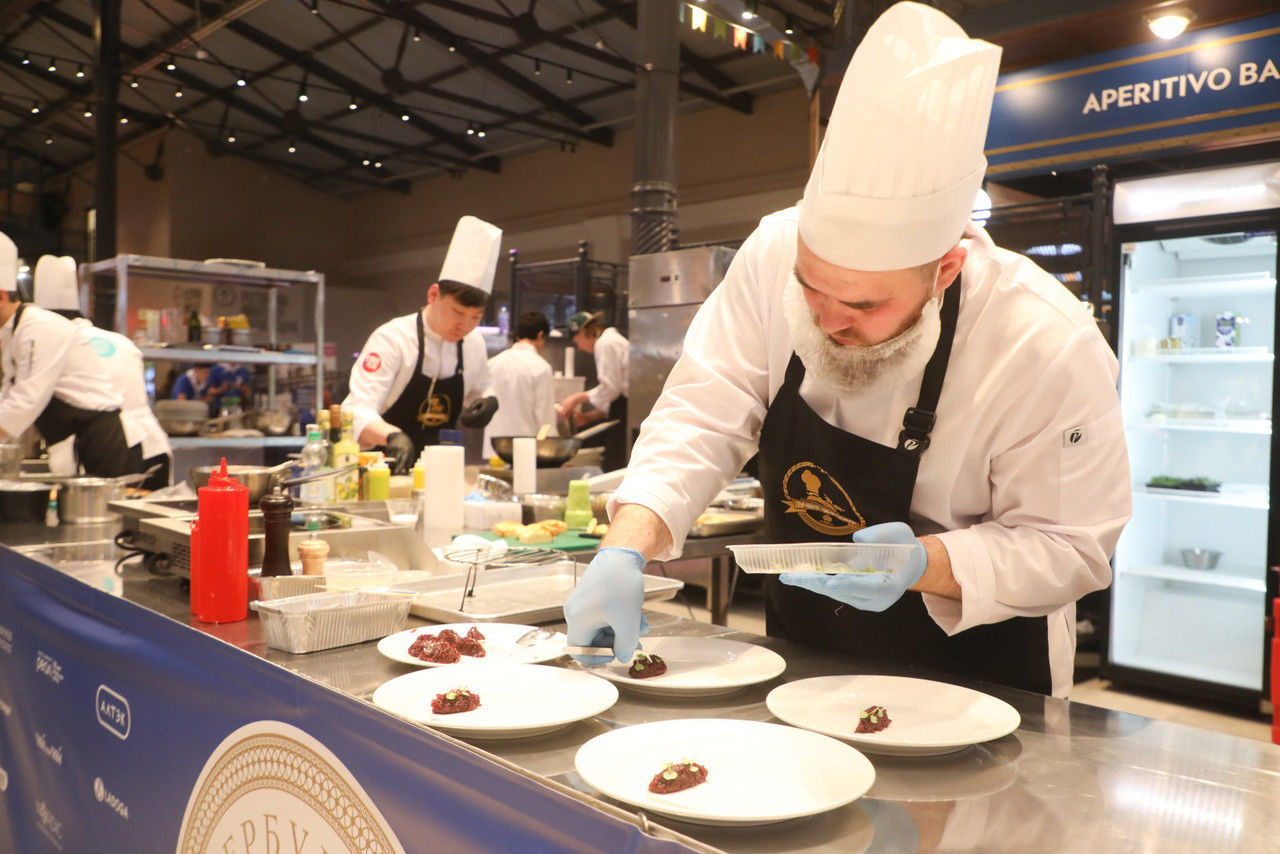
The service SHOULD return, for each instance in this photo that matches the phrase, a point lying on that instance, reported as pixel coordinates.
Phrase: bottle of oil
(346, 453)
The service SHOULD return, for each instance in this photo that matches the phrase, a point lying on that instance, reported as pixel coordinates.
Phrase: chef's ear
(433, 293)
(949, 266)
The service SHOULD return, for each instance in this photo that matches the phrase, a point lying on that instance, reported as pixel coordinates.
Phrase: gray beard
(852, 369)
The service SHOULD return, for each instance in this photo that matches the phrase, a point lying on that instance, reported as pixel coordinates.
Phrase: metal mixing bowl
(1200, 558)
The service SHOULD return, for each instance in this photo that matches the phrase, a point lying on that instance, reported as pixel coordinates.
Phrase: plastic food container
(822, 557)
(317, 621)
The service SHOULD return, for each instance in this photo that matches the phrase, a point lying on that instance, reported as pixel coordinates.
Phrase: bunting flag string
(743, 39)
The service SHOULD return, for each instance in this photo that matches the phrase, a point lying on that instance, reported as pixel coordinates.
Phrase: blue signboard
(1210, 85)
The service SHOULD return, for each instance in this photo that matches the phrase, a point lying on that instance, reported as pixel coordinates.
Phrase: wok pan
(259, 480)
(553, 451)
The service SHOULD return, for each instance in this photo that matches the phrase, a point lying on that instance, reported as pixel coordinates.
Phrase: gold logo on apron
(820, 500)
(434, 411)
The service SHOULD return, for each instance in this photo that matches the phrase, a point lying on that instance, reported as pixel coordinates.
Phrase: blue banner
(124, 731)
(1210, 85)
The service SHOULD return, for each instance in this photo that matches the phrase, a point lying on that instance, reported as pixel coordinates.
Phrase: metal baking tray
(519, 594)
(719, 523)
(317, 621)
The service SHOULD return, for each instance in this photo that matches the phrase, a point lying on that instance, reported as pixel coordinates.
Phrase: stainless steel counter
(1072, 778)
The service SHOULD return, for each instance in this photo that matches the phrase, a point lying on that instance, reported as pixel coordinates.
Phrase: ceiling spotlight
(48, 140)
(537, 67)
(377, 164)
(404, 117)
(315, 7)
(169, 66)
(364, 162)
(748, 13)
(353, 106)
(26, 59)
(417, 36)
(88, 114)
(231, 137)
(124, 120)
(1169, 23)
(453, 48)
(240, 81)
(568, 76)
(177, 93)
(788, 29)
(35, 108)
(302, 97)
(80, 71)
(53, 66)
(480, 133)
(133, 84)
(471, 130)
(293, 148)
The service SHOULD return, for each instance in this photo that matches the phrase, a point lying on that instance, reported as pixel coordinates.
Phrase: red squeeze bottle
(220, 575)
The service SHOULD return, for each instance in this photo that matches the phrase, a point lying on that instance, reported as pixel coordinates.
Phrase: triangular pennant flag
(698, 19)
(757, 44)
(813, 55)
(719, 28)
(796, 53)
(780, 49)
(739, 38)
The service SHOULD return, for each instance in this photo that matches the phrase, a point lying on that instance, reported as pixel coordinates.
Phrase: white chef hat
(902, 159)
(8, 264)
(55, 284)
(472, 258)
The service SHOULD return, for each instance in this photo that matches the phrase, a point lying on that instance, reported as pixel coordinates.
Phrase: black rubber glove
(400, 453)
(479, 413)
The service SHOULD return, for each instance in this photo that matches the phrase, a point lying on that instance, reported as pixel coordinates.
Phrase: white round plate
(499, 645)
(698, 667)
(927, 718)
(757, 773)
(516, 700)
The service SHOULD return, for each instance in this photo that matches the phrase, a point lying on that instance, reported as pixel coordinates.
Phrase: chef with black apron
(55, 381)
(428, 371)
(55, 289)
(608, 397)
(904, 381)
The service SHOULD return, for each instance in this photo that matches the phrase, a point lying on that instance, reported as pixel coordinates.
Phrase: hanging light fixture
(417, 35)
(537, 68)
(88, 114)
(177, 93)
(353, 106)
(53, 66)
(48, 140)
(364, 162)
(26, 59)
(124, 120)
(240, 81)
(231, 136)
(568, 77)
(35, 108)
(133, 84)
(302, 87)
(170, 66)
(471, 129)
(377, 164)
(748, 11)
(293, 149)
(480, 131)
(404, 117)
(80, 71)
(1169, 22)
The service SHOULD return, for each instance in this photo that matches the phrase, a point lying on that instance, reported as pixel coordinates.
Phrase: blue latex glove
(604, 609)
(864, 590)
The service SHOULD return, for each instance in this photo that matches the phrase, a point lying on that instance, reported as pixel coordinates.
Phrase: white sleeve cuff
(972, 569)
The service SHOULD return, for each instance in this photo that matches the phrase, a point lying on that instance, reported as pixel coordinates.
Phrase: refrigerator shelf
(1210, 356)
(1192, 670)
(1190, 496)
(1211, 577)
(1244, 426)
(1233, 284)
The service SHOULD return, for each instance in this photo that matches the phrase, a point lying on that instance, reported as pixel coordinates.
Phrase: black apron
(421, 412)
(100, 445)
(821, 483)
(613, 440)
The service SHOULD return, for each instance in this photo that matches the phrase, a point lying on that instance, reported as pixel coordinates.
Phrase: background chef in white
(54, 381)
(826, 347)
(428, 371)
(55, 289)
(608, 397)
(522, 382)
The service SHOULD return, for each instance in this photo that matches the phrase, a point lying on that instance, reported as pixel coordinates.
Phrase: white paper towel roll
(568, 361)
(443, 491)
(524, 465)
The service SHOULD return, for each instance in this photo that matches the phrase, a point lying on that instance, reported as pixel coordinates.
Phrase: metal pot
(10, 460)
(552, 452)
(273, 422)
(84, 499)
(23, 501)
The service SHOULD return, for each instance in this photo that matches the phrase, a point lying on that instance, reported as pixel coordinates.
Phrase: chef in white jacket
(608, 397)
(55, 290)
(905, 382)
(54, 381)
(522, 383)
(427, 371)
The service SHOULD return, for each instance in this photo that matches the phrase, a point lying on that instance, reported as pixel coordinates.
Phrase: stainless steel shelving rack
(123, 267)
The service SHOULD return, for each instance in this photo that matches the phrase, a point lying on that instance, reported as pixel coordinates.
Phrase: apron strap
(422, 354)
(918, 421)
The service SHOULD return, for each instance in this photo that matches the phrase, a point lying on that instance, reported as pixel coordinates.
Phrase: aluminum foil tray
(317, 621)
(283, 586)
(521, 594)
(829, 558)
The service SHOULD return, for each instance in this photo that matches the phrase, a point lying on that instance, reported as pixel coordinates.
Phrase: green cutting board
(569, 541)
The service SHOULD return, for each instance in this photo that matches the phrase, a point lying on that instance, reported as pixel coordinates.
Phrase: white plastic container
(831, 558)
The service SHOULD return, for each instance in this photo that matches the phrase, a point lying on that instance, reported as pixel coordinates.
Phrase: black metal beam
(305, 60)
(428, 28)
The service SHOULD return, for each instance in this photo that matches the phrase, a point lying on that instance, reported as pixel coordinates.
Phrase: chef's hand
(604, 609)
(399, 452)
(868, 591)
(479, 413)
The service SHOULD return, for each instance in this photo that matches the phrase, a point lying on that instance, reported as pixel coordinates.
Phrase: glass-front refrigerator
(1197, 354)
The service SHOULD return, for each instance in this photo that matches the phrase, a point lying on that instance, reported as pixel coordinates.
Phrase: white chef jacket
(526, 394)
(47, 357)
(122, 361)
(613, 369)
(390, 357)
(1025, 482)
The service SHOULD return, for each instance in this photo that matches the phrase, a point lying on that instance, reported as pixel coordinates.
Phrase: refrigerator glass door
(1197, 343)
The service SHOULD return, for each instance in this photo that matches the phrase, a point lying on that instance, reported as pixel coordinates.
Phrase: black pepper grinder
(277, 513)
